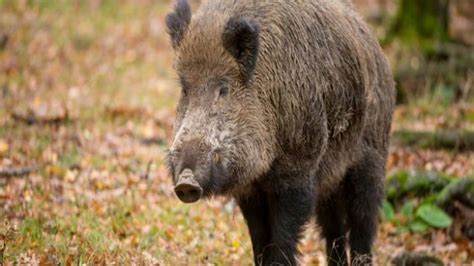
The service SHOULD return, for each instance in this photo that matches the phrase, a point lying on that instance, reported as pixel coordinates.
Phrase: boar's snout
(187, 188)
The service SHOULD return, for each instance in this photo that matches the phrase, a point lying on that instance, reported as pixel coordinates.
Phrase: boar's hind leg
(363, 189)
(330, 216)
(255, 211)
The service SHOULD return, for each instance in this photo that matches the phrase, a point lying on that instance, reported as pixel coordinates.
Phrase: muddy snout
(187, 188)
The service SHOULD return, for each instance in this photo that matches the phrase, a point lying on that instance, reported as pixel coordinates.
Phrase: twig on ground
(20, 171)
(146, 176)
(30, 118)
(462, 140)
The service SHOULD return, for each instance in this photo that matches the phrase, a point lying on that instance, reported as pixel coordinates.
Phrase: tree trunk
(421, 22)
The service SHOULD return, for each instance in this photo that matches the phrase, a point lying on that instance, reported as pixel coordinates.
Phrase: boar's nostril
(187, 188)
(188, 193)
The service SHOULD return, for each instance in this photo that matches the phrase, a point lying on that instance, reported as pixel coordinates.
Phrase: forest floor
(87, 97)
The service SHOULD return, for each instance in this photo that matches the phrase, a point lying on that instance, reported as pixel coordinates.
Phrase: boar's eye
(224, 90)
(184, 91)
(184, 86)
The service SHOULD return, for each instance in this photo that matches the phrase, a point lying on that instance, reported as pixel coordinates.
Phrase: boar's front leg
(290, 207)
(254, 208)
(276, 217)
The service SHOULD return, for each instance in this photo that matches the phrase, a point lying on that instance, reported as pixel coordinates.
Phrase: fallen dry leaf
(3, 147)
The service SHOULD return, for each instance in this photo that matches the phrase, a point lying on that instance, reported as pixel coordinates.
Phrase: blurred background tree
(430, 44)
(422, 23)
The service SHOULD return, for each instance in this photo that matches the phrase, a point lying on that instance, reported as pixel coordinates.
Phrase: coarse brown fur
(286, 106)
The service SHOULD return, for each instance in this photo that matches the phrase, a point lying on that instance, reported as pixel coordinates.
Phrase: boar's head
(222, 140)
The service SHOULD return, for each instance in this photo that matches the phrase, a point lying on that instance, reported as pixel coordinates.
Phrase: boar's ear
(241, 40)
(178, 21)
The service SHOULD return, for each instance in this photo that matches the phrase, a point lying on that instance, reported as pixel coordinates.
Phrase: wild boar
(285, 106)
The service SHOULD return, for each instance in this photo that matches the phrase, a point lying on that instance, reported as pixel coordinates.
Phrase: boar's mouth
(192, 185)
(219, 181)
